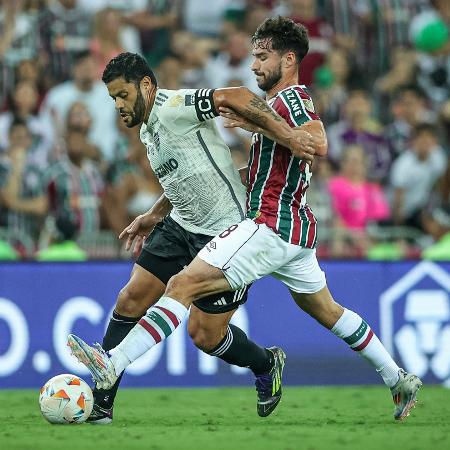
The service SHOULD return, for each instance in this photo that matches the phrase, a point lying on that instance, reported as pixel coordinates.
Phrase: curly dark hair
(131, 66)
(285, 35)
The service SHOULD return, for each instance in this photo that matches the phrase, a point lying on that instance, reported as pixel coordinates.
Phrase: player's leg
(249, 253)
(308, 288)
(212, 333)
(163, 255)
(355, 331)
(142, 290)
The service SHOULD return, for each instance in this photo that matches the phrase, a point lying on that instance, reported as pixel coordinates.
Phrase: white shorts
(248, 251)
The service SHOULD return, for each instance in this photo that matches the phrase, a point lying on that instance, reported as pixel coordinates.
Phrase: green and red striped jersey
(277, 181)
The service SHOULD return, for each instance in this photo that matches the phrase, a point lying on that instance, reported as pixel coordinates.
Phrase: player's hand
(234, 120)
(302, 145)
(138, 230)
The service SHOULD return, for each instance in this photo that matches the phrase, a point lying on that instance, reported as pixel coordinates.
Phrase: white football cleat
(96, 360)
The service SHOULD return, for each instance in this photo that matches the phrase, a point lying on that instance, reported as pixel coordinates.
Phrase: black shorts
(169, 249)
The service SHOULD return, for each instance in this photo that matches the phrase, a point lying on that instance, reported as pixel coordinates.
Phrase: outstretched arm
(254, 109)
(312, 132)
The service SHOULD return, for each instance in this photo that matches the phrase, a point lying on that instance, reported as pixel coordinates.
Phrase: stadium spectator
(75, 185)
(414, 174)
(429, 34)
(320, 35)
(331, 83)
(383, 25)
(62, 246)
(207, 21)
(255, 14)
(356, 201)
(79, 119)
(22, 192)
(319, 197)
(87, 89)
(19, 39)
(401, 73)
(233, 62)
(23, 106)
(436, 220)
(65, 31)
(106, 42)
(192, 53)
(359, 126)
(408, 109)
(155, 20)
(32, 71)
(170, 72)
(341, 16)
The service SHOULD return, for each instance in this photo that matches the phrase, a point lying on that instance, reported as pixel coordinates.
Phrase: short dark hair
(285, 35)
(131, 66)
(81, 56)
(425, 127)
(418, 91)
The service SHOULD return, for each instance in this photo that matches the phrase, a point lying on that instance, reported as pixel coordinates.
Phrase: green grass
(221, 419)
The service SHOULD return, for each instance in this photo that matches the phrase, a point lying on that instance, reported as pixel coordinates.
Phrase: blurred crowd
(378, 71)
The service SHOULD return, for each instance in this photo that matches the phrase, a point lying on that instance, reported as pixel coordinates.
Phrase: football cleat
(268, 385)
(100, 416)
(95, 359)
(404, 394)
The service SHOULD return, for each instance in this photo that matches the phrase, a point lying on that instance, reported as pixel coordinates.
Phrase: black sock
(236, 348)
(119, 326)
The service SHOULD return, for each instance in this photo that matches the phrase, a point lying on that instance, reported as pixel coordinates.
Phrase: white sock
(354, 330)
(158, 323)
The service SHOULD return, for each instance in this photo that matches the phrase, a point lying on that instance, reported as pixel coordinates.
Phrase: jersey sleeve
(295, 106)
(186, 108)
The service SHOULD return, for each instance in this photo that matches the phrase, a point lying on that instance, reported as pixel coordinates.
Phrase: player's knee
(182, 286)
(129, 303)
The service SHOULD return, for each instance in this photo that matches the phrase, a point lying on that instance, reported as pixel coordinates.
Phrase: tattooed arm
(257, 111)
(312, 132)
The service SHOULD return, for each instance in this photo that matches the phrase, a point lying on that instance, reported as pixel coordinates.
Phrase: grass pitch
(308, 418)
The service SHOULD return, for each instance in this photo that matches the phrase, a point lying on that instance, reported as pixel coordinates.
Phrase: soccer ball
(66, 399)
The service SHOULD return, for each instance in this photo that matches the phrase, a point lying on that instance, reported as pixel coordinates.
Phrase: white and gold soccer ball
(66, 399)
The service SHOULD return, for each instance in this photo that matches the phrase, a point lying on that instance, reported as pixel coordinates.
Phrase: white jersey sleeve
(186, 109)
(192, 162)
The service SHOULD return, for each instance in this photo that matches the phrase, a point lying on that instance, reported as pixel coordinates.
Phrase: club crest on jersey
(309, 105)
(176, 101)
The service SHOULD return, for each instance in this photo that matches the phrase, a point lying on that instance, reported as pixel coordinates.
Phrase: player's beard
(270, 80)
(138, 112)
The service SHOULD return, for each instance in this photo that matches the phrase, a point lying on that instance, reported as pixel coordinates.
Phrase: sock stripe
(159, 320)
(365, 343)
(155, 335)
(170, 315)
(358, 334)
(225, 346)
